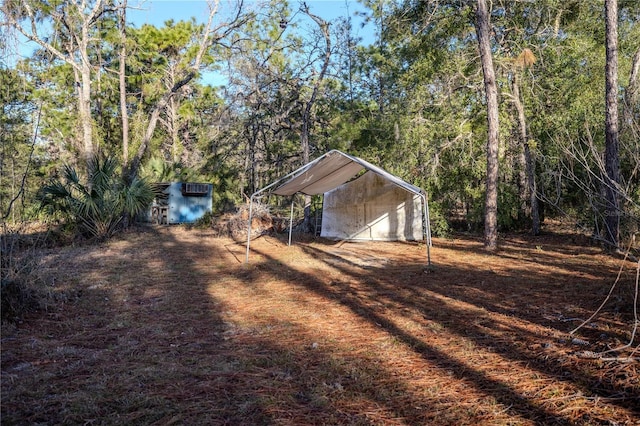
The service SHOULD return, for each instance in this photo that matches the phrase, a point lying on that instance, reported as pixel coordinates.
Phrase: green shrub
(439, 224)
(99, 204)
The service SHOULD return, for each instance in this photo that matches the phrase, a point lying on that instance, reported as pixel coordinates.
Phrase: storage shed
(361, 201)
(181, 202)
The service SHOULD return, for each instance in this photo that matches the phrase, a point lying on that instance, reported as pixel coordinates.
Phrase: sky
(157, 12)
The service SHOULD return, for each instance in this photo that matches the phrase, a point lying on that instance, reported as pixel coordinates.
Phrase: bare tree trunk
(306, 114)
(124, 113)
(171, 120)
(173, 129)
(632, 98)
(634, 83)
(491, 92)
(84, 91)
(612, 160)
(530, 179)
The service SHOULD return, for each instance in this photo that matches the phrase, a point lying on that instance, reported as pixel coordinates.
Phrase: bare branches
(209, 37)
(14, 19)
(306, 115)
(636, 319)
(26, 171)
(581, 165)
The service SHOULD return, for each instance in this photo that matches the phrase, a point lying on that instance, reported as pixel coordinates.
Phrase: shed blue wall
(186, 208)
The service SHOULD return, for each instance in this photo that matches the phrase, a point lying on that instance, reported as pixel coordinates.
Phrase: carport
(332, 175)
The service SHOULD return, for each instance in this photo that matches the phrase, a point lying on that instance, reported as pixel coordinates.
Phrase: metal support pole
(249, 228)
(425, 212)
(291, 221)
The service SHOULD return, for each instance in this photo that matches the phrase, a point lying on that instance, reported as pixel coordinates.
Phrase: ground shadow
(154, 334)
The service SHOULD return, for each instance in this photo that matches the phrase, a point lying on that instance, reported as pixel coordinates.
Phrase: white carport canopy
(328, 172)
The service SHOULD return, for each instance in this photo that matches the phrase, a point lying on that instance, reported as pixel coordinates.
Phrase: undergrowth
(18, 289)
(22, 290)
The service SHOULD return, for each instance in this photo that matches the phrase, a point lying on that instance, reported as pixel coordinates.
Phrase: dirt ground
(168, 325)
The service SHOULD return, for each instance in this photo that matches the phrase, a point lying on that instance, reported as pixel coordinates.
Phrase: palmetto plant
(159, 170)
(99, 204)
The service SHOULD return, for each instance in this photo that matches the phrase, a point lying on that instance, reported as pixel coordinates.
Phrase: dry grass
(169, 326)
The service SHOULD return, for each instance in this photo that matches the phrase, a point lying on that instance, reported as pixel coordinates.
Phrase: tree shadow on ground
(516, 404)
(170, 327)
(482, 330)
(136, 339)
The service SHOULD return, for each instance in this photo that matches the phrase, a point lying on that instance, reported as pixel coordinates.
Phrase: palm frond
(98, 203)
(137, 197)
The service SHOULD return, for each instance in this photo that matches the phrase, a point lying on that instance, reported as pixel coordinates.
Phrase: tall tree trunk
(632, 88)
(530, 178)
(83, 87)
(632, 95)
(173, 129)
(124, 113)
(491, 92)
(306, 113)
(612, 160)
(84, 92)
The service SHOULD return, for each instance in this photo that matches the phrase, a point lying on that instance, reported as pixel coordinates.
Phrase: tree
(524, 61)
(491, 93)
(612, 160)
(73, 23)
(209, 36)
(19, 118)
(164, 54)
(278, 82)
(262, 93)
(122, 78)
(316, 82)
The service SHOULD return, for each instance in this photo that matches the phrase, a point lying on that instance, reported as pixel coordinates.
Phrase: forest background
(290, 84)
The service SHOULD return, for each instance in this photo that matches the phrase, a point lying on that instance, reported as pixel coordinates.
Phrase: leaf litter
(169, 326)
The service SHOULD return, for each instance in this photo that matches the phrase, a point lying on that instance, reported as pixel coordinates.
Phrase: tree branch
(26, 172)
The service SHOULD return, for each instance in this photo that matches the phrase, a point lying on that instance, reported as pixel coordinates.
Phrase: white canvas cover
(332, 170)
(328, 173)
(372, 208)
